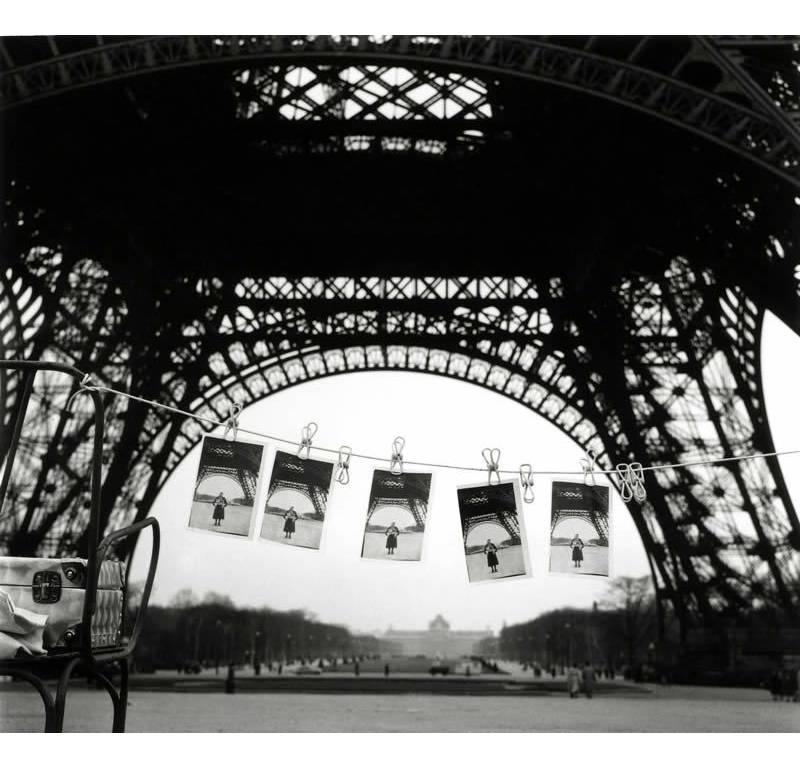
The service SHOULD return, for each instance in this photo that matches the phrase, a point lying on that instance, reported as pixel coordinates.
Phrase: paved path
(670, 709)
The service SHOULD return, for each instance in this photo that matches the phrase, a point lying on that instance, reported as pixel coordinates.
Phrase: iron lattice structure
(494, 504)
(410, 491)
(594, 227)
(581, 502)
(306, 476)
(238, 461)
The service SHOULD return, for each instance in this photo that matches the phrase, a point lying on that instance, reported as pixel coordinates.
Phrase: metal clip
(343, 465)
(588, 467)
(631, 478)
(492, 458)
(526, 478)
(306, 434)
(396, 463)
(85, 385)
(232, 423)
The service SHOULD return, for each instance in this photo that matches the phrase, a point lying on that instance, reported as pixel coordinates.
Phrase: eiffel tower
(410, 490)
(594, 227)
(307, 476)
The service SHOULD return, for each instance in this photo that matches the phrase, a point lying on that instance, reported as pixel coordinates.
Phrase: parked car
(439, 668)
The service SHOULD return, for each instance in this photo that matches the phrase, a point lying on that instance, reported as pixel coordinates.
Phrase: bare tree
(634, 600)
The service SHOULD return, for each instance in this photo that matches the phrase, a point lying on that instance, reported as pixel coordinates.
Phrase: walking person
(288, 522)
(588, 679)
(577, 551)
(391, 533)
(490, 550)
(573, 682)
(220, 502)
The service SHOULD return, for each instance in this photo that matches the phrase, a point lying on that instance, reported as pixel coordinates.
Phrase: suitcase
(57, 588)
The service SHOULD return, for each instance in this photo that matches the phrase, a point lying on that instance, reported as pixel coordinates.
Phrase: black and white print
(226, 486)
(493, 531)
(579, 529)
(396, 515)
(297, 500)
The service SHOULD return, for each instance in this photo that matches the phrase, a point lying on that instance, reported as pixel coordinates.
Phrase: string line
(433, 465)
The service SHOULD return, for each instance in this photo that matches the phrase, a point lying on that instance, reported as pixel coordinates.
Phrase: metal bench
(95, 663)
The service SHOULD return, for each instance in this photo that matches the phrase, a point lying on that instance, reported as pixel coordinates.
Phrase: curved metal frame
(93, 662)
(747, 132)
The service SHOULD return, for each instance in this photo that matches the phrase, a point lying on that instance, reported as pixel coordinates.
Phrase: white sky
(442, 420)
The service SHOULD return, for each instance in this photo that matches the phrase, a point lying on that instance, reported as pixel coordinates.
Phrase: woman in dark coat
(220, 502)
(577, 551)
(392, 532)
(490, 550)
(288, 525)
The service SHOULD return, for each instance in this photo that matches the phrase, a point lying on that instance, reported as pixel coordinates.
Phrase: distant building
(437, 640)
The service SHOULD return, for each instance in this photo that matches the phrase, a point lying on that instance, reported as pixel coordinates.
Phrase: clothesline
(232, 423)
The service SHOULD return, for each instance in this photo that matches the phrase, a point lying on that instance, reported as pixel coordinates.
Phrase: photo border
(424, 549)
(256, 497)
(522, 529)
(611, 534)
(263, 507)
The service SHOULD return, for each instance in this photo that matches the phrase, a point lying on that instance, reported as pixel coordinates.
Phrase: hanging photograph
(226, 487)
(297, 500)
(396, 516)
(493, 531)
(579, 529)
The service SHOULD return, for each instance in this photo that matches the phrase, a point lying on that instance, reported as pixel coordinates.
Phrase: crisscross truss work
(594, 227)
(720, 537)
(741, 93)
(366, 101)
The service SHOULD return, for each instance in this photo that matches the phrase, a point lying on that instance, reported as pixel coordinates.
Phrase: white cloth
(19, 628)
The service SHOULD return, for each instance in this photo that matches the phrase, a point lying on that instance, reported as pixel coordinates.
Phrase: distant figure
(392, 532)
(288, 525)
(577, 551)
(588, 679)
(490, 550)
(357, 668)
(386, 670)
(220, 502)
(573, 682)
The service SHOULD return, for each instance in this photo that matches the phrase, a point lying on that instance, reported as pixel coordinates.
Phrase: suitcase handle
(102, 551)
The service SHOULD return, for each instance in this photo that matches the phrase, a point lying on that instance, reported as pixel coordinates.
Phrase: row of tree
(619, 632)
(212, 631)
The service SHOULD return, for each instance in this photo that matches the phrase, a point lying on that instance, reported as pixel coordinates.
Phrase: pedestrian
(220, 502)
(588, 679)
(386, 670)
(391, 533)
(573, 682)
(490, 550)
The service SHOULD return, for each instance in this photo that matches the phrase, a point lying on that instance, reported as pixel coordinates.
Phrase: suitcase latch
(46, 587)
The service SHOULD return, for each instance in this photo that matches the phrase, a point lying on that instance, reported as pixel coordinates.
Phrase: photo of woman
(493, 531)
(226, 486)
(297, 500)
(397, 513)
(580, 529)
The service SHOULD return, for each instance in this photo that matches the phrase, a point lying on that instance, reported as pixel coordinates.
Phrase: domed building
(438, 640)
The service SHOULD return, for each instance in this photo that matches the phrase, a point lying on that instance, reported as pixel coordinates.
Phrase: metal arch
(746, 132)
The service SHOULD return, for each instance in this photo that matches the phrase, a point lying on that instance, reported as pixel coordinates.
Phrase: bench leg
(61, 696)
(118, 699)
(41, 687)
